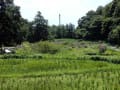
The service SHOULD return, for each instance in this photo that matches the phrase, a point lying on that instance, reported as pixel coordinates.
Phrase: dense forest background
(102, 24)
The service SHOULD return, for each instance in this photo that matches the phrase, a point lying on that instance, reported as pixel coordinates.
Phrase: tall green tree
(114, 36)
(102, 24)
(25, 26)
(61, 31)
(70, 28)
(10, 21)
(53, 31)
(39, 28)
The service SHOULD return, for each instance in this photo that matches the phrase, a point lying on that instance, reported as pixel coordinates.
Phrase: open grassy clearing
(63, 64)
(98, 80)
(34, 68)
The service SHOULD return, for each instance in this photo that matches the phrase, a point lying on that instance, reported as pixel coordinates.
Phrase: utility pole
(59, 19)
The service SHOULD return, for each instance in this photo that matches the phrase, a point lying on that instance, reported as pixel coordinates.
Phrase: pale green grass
(21, 68)
(77, 65)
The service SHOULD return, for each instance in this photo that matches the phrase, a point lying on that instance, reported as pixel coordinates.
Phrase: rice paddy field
(62, 64)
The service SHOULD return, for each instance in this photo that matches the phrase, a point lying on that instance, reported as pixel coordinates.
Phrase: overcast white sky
(70, 10)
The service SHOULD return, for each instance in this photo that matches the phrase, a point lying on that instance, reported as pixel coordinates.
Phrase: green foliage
(110, 52)
(25, 26)
(52, 32)
(10, 20)
(46, 47)
(99, 10)
(39, 29)
(90, 26)
(62, 31)
(107, 26)
(81, 33)
(40, 47)
(70, 28)
(114, 36)
(101, 24)
(24, 49)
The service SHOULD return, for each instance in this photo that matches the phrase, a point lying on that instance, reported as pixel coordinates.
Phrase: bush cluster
(47, 47)
(102, 48)
(25, 49)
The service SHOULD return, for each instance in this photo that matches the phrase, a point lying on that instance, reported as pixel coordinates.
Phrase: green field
(62, 64)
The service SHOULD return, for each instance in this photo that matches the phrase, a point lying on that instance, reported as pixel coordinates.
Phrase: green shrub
(66, 43)
(46, 47)
(110, 52)
(102, 48)
(24, 49)
(40, 47)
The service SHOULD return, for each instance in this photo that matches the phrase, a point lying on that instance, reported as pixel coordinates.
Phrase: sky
(70, 10)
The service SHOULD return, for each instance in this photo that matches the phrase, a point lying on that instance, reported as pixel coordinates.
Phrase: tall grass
(36, 67)
(100, 80)
(60, 65)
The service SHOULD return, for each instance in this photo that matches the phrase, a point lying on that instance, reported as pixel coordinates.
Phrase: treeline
(39, 29)
(14, 29)
(102, 24)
